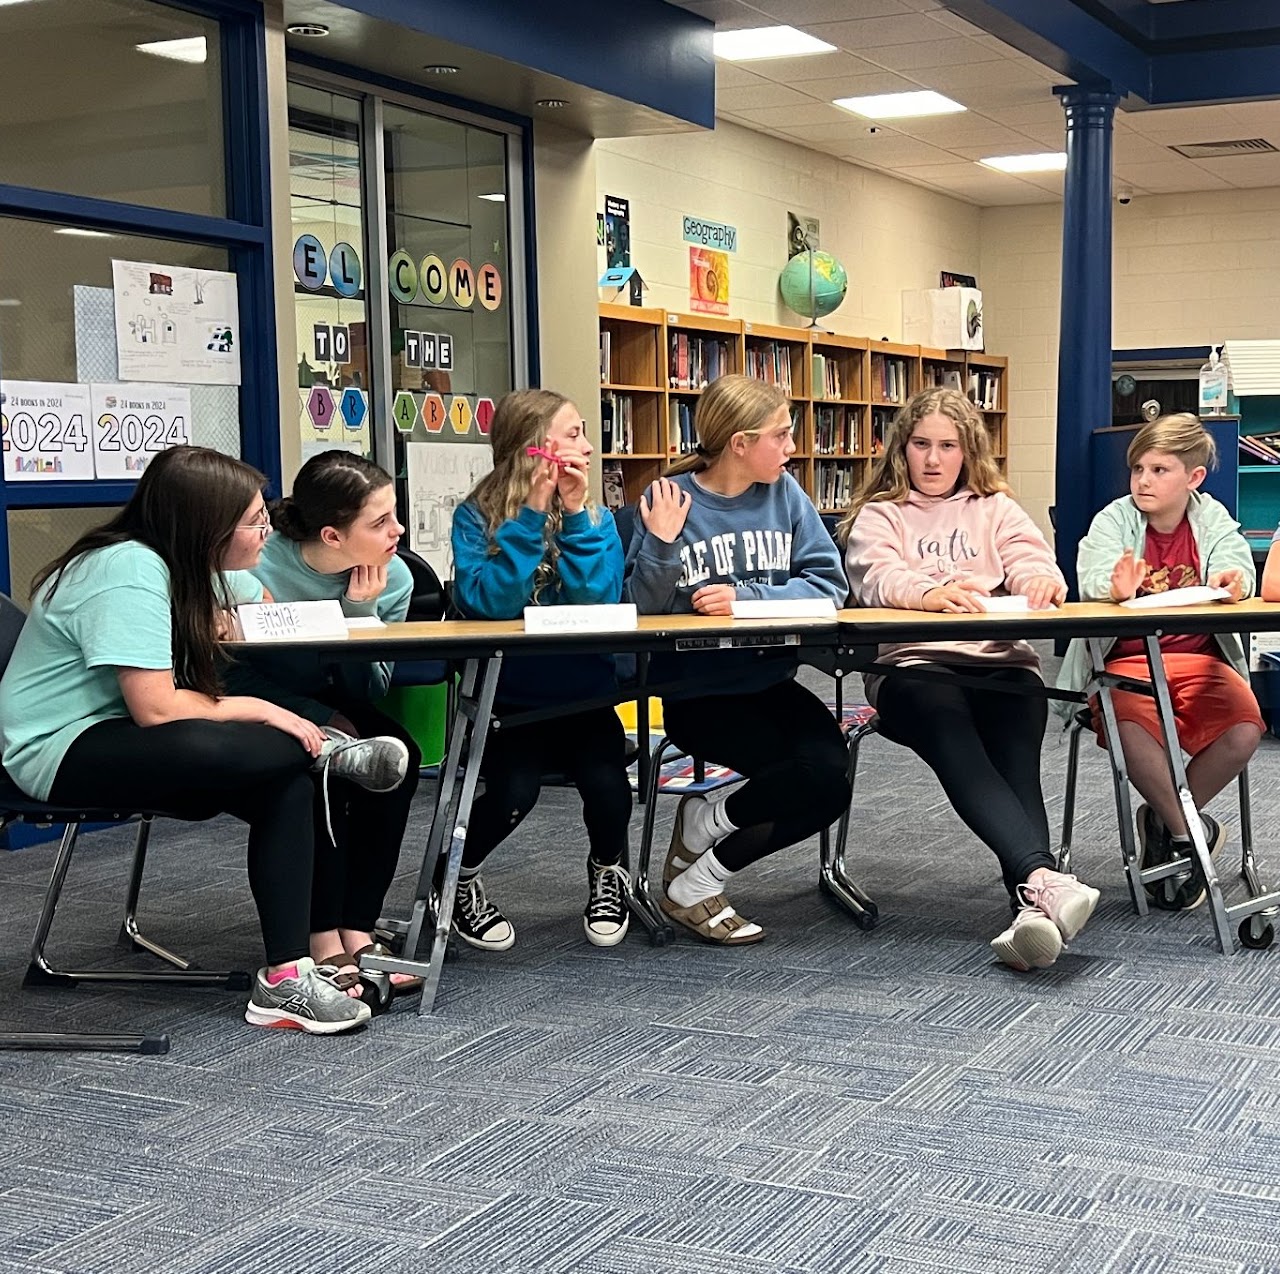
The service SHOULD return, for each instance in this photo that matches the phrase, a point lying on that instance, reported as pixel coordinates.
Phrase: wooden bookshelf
(845, 390)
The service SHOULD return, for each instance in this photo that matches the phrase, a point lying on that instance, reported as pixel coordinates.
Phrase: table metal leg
(451, 815)
(1119, 781)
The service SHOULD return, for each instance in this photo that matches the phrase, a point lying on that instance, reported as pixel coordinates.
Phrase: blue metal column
(1084, 348)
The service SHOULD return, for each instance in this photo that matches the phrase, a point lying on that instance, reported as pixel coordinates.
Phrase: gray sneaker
(308, 1002)
(378, 764)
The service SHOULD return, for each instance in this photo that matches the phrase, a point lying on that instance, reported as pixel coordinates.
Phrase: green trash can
(423, 711)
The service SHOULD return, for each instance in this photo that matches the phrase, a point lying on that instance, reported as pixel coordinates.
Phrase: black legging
(984, 746)
(351, 882)
(589, 748)
(789, 747)
(196, 769)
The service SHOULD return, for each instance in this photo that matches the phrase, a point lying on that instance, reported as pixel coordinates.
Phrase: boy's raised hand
(1127, 576)
(663, 510)
(1232, 580)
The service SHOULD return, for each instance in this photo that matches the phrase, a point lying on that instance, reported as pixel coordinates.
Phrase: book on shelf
(826, 377)
(693, 362)
(881, 420)
(833, 483)
(832, 430)
(617, 424)
(769, 361)
(606, 355)
(984, 390)
(680, 435)
(615, 492)
(891, 378)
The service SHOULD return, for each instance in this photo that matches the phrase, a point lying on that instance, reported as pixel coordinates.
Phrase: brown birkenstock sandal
(400, 981)
(679, 857)
(340, 970)
(714, 920)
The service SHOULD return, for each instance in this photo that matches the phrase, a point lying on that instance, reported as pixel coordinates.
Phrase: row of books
(606, 355)
(769, 361)
(984, 390)
(939, 376)
(890, 379)
(615, 490)
(834, 430)
(693, 362)
(833, 484)
(1260, 448)
(617, 426)
(880, 422)
(827, 380)
(681, 438)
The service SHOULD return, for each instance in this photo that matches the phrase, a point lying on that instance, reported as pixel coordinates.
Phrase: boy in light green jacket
(1167, 534)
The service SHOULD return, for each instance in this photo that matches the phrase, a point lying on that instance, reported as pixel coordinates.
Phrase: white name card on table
(1200, 595)
(1013, 604)
(291, 621)
(786, 608)
(620, 618)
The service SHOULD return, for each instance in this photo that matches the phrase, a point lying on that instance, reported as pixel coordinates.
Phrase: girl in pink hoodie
(934, 528)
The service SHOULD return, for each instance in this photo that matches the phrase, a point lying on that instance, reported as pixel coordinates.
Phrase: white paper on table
(364, 621)
(786, 608)
(291, 621)
(1014, 603)
(619, 618)
(1200, 595)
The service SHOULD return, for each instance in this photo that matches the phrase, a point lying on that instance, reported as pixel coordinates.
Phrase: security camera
(1124, 196)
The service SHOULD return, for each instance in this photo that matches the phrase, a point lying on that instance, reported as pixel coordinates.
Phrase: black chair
(17, 807)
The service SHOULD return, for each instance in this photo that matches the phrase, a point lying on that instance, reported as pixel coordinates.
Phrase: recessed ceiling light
(190, 49)
(1053, 161)
(84, 234)
(440, 68)
(767, 42)
(899, 105)
(496, 197)
(5, 2)
(552, 103)
(312, 29)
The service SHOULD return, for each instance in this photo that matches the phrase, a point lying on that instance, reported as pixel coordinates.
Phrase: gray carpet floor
(830, 1101)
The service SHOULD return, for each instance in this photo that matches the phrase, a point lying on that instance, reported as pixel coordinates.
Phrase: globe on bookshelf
(813, 284)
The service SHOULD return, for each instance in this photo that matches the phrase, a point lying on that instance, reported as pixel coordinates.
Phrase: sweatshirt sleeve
(1099, 551)
(652, 572)
(815, 560)
(590, 564)
(1228, 549)
(876, 561)
(372, 681)
(1024, 552)
(496, 585)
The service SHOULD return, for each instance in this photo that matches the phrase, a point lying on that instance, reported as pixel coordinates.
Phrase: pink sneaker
(1032, 941)
(1062, 898)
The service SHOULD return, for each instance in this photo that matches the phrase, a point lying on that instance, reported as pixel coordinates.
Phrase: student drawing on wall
(221, 339)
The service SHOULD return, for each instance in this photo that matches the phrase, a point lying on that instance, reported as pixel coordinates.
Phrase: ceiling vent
(1224, 150)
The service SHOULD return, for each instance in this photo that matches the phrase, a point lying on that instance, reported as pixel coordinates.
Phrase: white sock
(703, 823)
(1184, 838)
(706, 878)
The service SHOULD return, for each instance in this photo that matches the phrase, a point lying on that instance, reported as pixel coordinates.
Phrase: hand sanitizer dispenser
(1213, 386)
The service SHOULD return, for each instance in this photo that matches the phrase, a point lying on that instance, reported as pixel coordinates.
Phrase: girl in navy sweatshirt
(727, 523)
(527, 535)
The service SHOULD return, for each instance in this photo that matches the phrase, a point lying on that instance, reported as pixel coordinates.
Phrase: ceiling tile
(760, 94)
(730, 75)
(1170, 178)
(874, 81)
(792, 116)
(893, 149)
(926, 55)
(1246, 172)
(802, 13)
(864, 34)
(821, 66)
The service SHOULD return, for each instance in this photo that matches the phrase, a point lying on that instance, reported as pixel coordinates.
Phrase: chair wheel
(662, 937)
(376, 990)
(1258, 941)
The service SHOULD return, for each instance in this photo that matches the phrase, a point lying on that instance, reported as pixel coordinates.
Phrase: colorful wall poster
(44, 431)
(708, 281)
(176, 325)
(617, 231)
(132, 424)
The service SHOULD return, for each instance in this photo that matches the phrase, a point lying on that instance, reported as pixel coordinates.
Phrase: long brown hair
(520, 421)
(731, 404)
(185, 508)
(890, 479)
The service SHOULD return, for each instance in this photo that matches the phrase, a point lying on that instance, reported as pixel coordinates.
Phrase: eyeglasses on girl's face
(261, 525)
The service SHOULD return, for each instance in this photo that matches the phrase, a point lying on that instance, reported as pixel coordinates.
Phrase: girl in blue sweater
(727, 523)
(527, 535)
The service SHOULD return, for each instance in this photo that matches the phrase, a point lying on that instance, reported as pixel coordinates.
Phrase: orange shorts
(1208, 695)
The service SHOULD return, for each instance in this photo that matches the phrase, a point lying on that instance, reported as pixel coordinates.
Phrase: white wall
(889, 235)
(1189, 269)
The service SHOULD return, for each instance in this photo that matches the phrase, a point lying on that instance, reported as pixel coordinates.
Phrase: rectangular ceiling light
(899, 105)
(767, 42)
(496, 197)
(191, 49)
(1052, 161)
(84, 234)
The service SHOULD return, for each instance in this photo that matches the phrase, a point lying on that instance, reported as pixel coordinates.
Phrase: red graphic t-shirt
(1172, 562)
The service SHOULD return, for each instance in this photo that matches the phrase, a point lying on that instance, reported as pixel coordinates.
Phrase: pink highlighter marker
(546, 455)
